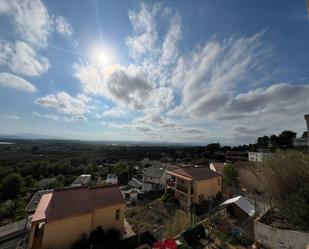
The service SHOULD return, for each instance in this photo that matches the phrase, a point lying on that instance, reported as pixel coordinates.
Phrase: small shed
(239, 207)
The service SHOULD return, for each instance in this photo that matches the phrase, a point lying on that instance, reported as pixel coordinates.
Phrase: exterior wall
(257, 156)
(152, 183)
(278, 238)
(31, 234)
(63, 233)
(206, 188)
(106, 218)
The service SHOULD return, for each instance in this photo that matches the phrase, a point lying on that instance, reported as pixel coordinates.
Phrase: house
(192, 184)
(82, 180)
(239, 206)
(153, 179)
(131, 195)
(301, 143)
(44, 183)
(258, 156)
(112, 179)
(62, 216)
(239, 216)
(33, 203)
(134, 183)
(217, 167)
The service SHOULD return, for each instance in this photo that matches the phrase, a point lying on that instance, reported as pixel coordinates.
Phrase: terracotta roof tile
(69, 202)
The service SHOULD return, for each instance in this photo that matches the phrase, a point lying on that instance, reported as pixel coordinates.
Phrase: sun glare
(103, 59)
(102, 55)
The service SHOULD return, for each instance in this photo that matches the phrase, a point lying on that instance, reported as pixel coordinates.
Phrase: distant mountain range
(28, 136)
(34, 136)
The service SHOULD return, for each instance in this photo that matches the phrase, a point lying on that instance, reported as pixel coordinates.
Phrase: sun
(101, 55)
(103, 59)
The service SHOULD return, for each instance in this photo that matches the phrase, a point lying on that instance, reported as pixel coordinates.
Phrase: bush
(81, 243)
(113, 235)
(169, 198)
(287, 174)
(96, 236)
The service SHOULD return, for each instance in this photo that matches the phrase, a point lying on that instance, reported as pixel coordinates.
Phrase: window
(117, 214)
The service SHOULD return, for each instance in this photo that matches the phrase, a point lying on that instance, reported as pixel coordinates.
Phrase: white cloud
(64, 103)
(128, 87)
(115, 112)
(32, 21)
(13, 117)
(211, 74)
(21, 58)
(169, 48)
(63, 26)
(15, 82)
(75, 118)
(6, 51)
(48, 116)
(143, 23)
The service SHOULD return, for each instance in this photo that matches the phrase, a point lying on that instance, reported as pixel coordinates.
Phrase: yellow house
(65, 214)
(192, 184)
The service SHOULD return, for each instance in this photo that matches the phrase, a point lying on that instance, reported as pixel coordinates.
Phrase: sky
(160, 71)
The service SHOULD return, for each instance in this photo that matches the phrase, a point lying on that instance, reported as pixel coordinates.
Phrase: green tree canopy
(11, 186)
(213, 147)
(230, 176)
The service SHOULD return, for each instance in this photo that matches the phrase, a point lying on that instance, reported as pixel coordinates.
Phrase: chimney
(307, 122)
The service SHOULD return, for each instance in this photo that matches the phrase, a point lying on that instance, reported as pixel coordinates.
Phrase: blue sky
(170, 71)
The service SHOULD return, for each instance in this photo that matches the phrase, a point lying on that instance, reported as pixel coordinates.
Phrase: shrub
(113, 234)
(81, 243)
(96, 236)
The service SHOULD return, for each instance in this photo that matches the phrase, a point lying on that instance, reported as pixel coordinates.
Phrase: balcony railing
(184, 189)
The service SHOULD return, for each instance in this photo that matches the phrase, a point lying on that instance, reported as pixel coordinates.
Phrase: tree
(262, 142)
(29, 181)
(11, 186)
(286, 139)
(274, 141)
(169, 197)
(305, 134)
(286, 174)
(122, 172)
(213, 147)
(229, 177)
(60, 179)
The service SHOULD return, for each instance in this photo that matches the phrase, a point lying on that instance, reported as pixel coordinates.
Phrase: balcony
(183, 189)
(171, 183)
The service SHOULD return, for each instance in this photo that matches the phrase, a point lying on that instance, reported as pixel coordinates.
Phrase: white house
(258, 156)
(82, 180)
(153, 179)
(112, 179)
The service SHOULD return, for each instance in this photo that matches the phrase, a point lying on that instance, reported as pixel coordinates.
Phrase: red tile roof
(69, 202)
(195, 173)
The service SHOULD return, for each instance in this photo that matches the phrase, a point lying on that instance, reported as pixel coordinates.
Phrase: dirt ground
(250, 176)
(157, 219)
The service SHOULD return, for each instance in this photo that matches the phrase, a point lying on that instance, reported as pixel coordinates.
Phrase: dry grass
(157, 219)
